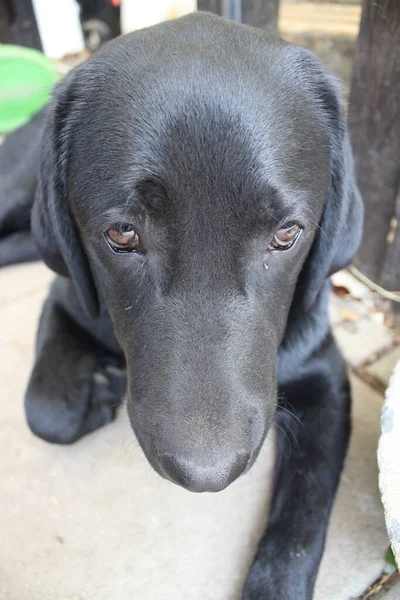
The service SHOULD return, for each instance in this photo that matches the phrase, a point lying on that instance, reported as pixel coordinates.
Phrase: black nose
(198, 477)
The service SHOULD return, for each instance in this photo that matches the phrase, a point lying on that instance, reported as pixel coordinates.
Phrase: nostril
(200, 477)
(174, 469)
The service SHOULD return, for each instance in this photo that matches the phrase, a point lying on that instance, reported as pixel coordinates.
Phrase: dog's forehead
(195, 107)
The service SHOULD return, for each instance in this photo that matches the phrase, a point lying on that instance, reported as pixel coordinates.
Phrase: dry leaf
(340, 290)
(349, 315)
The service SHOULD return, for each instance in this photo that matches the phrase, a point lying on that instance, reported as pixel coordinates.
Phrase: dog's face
(186, 172)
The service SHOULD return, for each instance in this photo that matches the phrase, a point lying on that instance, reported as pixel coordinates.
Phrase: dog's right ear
(53, 228)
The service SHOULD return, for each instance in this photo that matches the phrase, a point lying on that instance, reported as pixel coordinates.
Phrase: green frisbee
(26, 80)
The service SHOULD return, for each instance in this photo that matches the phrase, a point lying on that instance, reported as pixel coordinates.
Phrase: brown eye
(285, 237)
(122, 238)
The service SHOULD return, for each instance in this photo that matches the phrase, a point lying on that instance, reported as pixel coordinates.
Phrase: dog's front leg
(312, 443)
(78, 377)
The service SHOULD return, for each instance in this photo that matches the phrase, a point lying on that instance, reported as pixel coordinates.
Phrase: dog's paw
(65, 402)
(108, 388)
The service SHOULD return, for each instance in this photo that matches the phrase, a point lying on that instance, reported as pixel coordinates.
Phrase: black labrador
(196, 192)
(19, 165)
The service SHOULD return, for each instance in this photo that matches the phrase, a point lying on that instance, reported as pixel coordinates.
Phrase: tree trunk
(374, 118)
(259, 13)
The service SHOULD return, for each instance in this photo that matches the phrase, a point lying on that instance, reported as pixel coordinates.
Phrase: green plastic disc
(26, 80)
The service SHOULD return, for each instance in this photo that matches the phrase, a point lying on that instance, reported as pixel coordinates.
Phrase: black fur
(19, 164)
(208, 136)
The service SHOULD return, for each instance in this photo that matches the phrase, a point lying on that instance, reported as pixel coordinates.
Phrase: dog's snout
(202, 477)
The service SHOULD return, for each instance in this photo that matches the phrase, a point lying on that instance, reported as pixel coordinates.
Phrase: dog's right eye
(121, 237)
(286, 237)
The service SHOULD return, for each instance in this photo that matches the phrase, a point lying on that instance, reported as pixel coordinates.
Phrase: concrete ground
(93, 521)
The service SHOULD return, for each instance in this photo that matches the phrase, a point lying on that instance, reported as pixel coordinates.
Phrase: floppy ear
(340, 228)
(52, 225)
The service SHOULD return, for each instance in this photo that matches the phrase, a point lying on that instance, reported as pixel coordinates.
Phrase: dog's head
(193, 174)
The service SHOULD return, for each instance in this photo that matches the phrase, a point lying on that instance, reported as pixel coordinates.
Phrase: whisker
(286, 436)
(286, 422)
(315, 223)
(292, 414)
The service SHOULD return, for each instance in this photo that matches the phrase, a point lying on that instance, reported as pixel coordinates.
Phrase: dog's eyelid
(289, 220)
(112, 218)
(286, 223)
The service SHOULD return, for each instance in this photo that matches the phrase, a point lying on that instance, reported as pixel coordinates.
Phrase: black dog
(196, 191)
(19, 165)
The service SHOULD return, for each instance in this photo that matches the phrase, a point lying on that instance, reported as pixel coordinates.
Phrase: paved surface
(93, 522)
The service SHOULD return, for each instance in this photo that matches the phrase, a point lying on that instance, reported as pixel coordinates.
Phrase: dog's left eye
(285, 237)
(122, 238)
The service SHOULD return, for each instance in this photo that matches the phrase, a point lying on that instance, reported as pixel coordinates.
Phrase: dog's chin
(204, 473)
(212, 482)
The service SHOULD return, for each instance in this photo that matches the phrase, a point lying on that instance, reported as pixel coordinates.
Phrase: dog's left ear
(52, 223)
(340, 228)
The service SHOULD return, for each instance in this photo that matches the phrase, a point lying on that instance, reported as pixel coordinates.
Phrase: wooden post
(374, 119)
(259, 13)
(214, 6)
